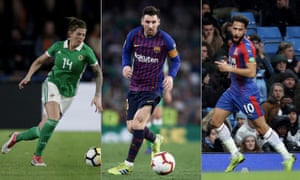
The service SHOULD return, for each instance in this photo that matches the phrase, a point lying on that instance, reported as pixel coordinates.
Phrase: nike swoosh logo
(137, 45)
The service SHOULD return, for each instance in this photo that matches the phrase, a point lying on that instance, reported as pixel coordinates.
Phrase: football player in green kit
(70, 60)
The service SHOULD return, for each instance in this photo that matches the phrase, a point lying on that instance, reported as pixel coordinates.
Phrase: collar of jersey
(78, 48)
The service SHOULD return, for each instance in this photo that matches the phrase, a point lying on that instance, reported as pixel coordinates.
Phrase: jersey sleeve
(172, 55)
(250, 53)
(52, 49)
(92, 60)
(127, 50)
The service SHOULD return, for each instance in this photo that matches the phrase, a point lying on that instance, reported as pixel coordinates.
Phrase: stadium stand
(269, 34)
(292, 32)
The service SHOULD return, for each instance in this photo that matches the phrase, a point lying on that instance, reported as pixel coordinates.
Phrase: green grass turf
(187, 157)
(263, 175)
(64, 156)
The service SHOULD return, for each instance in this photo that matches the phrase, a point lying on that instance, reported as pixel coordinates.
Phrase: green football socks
(29, 134)
(46, 133)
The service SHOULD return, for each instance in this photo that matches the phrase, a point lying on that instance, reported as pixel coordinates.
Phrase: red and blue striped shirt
(239, 56)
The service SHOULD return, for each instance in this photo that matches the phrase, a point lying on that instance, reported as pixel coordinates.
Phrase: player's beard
(239, 39)
(149, 33)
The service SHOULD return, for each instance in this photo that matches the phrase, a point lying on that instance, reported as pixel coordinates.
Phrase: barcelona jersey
(147, 56)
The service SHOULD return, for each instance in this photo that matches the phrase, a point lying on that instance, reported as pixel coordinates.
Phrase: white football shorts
(50, 92)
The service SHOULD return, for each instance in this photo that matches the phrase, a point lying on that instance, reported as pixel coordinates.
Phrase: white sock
(272, 137)
(129, 163)
(225, 137)
(157, 122)
(149, 124)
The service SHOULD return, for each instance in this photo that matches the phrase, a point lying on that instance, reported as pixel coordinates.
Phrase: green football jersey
(69, 66)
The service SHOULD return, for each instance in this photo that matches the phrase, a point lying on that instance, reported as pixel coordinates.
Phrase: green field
(187, 158)
(63, 156)
(271, 175)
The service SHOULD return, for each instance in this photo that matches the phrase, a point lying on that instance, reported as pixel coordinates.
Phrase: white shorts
(50, 92)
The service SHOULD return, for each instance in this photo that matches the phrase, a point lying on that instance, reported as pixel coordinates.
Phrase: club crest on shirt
(80, 57)
(156, 49)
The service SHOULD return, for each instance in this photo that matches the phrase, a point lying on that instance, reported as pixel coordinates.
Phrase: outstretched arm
(33, 68)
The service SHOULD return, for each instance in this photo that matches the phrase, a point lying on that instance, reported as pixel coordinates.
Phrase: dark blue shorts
(247, 103)
(138, 99)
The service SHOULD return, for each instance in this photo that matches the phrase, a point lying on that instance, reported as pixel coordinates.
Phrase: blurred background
(181, 19)
(30, 27)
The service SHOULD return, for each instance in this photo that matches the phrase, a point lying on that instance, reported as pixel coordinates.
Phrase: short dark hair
(206, 21)
(240, 18)
(151, 10)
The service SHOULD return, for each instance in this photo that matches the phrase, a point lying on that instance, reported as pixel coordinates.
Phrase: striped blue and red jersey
(147, 55)
(239, 55)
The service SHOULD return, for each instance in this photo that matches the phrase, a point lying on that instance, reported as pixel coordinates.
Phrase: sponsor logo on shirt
(145, 59)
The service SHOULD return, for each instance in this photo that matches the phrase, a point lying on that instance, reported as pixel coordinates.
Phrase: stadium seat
(251, 30)
(249, 15)
(292, 32)
(271, 48)
(269, 34)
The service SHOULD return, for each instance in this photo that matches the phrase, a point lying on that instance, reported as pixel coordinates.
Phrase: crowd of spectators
(29, 27)
(277, 75)
(180, 19)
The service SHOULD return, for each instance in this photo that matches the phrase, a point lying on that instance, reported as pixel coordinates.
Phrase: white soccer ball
(163, 163)
(93, 156)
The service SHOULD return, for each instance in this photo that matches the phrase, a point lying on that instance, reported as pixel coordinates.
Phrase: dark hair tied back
(75, 23)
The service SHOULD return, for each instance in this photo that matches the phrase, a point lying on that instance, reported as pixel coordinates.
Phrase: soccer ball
(163, 163)
(93, 156)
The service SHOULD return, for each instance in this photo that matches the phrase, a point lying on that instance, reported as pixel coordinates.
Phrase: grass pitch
(187, 157)
(270, 175)
(64, 156)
